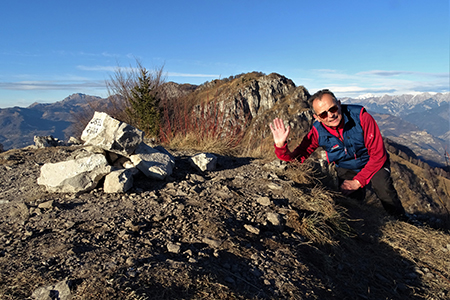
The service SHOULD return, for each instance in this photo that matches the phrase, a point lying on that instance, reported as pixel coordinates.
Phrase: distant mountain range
(421, 122)
(19, 125)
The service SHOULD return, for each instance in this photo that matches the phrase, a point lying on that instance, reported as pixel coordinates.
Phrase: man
(352, 141)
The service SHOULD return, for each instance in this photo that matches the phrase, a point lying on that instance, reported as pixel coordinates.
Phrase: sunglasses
(332, 110)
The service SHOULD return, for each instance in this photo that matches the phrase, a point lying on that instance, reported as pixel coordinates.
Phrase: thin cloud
(173, 74)
(385, 73)
(361, 90)
(106, 54)
(129, 69)
(397, 73)
(97, 68)
(346, 84)
(50, 85)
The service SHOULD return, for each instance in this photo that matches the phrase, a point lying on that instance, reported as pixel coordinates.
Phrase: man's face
(327, 104)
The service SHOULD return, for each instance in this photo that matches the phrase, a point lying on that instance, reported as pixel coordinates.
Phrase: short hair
(319, 95)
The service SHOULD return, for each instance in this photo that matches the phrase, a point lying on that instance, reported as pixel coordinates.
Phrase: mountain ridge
(261, 93)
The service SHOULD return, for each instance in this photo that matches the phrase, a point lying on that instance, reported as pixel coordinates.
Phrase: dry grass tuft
(316, 216)
(420, 245)
(303, 174)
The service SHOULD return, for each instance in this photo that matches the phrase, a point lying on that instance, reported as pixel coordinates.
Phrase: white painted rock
(112, 135)
(79, 175)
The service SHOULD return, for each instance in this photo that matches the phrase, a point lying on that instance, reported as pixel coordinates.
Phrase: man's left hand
(349, 186)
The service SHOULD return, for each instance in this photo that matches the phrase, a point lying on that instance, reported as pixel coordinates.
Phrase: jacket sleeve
(308, 145)
(375, 146)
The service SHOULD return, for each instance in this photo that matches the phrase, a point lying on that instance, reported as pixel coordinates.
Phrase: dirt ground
(248, 230)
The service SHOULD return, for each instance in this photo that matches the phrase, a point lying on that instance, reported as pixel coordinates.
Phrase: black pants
(382, 185)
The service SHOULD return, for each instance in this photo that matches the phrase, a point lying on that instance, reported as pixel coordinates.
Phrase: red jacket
(372, 140)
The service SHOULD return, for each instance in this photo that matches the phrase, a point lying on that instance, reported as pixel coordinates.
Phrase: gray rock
(274, 186)
(46, 204)
(60, 291)
(73, 141)
(173, 248)
(274, 218)
(211, 242)
(153, 163)
(1, 148)
(45, 141)
(79, 175)
(87, 151)
(264, 201)
(112, 135)
(204, 161)
(251, 228)
(118, 181)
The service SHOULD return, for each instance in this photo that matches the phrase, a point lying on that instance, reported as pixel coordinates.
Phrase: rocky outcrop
(251, 101)
(263, 93)
(111, 152)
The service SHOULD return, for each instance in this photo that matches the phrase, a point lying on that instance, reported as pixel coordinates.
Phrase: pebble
(264, 201)
(211, 242)
(46, 205)
(251, 229)
(173, 248)
(274, 218)
(274, 186)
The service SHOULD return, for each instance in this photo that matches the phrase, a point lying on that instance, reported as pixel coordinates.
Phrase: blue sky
(52, 49)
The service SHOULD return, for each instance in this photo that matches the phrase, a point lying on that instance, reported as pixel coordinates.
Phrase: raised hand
(279, 132)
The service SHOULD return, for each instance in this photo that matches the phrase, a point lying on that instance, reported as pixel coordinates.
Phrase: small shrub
(144, 105)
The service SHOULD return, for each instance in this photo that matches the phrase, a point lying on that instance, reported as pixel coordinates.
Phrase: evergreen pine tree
(145, 105)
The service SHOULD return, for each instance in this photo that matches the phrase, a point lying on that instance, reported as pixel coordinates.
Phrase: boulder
(204, 161)
(78, 175)
(111, 135)
(118, 181)
(1, 148)
(153, 163)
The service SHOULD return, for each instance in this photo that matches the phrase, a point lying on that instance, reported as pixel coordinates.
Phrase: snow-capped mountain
(427, 113)
(399, 105)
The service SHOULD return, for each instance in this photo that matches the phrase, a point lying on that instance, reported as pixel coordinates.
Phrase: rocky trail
(243, 231)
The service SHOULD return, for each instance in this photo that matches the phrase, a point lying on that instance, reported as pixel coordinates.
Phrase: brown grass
(425, 247)
(204, 127)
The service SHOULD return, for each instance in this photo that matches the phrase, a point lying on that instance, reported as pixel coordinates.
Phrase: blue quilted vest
(352, 153)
